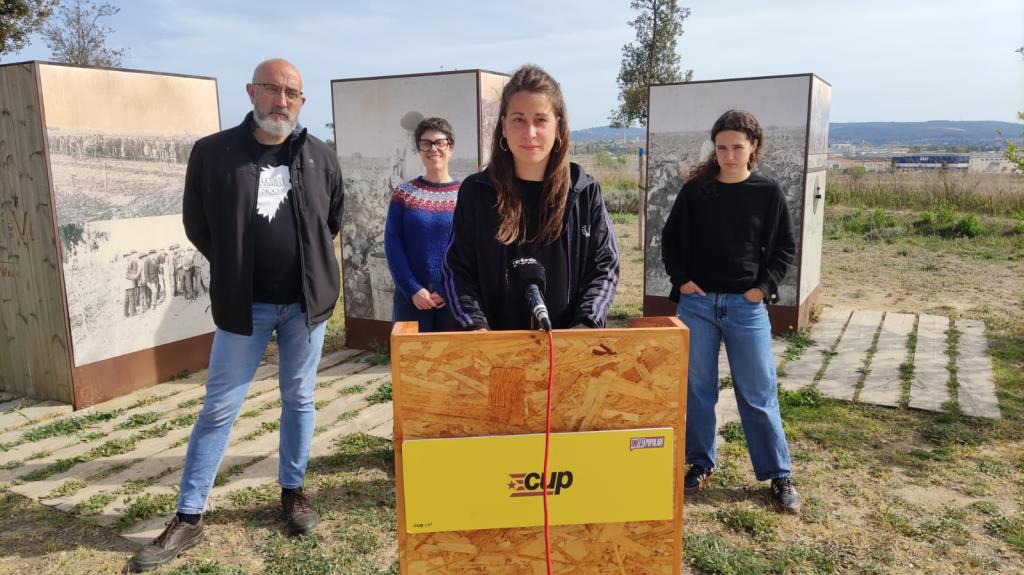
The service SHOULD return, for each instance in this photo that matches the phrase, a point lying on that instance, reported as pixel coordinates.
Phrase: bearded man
(263, 202)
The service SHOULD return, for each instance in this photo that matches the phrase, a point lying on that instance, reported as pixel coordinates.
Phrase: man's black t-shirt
(552, 256)
(276, 267)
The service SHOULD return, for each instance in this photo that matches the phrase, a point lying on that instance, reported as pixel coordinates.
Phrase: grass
(69, 487)
(62, 427)
(906, 368)
(1008, 529)
(379, 354)
(381, 395)
(796, 343)
(93, 505)
(264, 428)
(190, 403)
(884, 490)
(145, 506)
(757, 523)
(732, 432)
(977, 193)
(138, 420)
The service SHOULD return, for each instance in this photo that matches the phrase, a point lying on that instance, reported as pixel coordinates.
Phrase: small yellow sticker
(495, 482)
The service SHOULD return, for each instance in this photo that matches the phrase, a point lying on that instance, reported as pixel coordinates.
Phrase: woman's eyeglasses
(440, 144)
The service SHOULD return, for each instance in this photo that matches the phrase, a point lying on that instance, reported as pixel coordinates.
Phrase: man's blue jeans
(233, 362)
(748, 343)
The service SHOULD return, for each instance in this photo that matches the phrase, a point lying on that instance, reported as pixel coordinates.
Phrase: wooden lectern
(470, 384)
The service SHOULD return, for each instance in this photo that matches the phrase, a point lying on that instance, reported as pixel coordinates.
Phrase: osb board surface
(618, 548)
(34, 356)
(472, 384)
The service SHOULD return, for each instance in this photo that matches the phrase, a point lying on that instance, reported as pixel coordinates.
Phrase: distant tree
(77, 36)
(1013, 152)
(330, 141)
(19, 19)
(652, 59)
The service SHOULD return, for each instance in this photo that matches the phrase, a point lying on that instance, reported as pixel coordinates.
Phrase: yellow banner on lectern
(495, 482)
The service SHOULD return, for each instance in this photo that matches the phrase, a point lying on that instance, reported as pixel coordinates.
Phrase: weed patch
(1009, 529)
(191, 403)
(352, 390)
(93, 505)
(754, 522)
(67, 426)
(70, 486)
(145, 506)
(379, 354)
(796, 343)
(264, 428)
(381, 395)
(732, 432)
(138, 420)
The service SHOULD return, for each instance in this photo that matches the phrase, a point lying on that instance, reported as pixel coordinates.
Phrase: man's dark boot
(295, 508)
(177, 537)
(696, 478)
(784, 496)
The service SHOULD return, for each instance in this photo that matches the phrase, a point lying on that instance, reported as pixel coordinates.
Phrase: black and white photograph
(133, 280)
(679, 132)
(374, 120)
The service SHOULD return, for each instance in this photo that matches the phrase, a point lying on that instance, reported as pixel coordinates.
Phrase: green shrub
(966, 227)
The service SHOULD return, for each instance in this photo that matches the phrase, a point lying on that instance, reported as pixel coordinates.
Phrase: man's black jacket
(476, 265)
(220, 200)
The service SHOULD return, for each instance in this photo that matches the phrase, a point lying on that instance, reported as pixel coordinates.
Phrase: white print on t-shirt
(273, 190)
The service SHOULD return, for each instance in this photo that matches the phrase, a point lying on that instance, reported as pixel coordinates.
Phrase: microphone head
(526, 271)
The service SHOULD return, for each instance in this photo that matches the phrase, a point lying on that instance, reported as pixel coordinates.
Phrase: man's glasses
(440, 144)
(274, 90)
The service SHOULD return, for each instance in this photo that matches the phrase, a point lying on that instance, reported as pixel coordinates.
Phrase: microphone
(527, 275)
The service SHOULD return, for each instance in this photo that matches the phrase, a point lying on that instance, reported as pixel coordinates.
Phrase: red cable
(547, 447)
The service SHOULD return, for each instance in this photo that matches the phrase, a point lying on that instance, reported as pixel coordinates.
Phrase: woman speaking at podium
(530, 202)
(726, 245)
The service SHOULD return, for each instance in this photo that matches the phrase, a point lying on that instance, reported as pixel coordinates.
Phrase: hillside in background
(939, 133)
(935, 133)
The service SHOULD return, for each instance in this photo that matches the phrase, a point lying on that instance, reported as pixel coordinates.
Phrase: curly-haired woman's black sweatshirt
(729, 238)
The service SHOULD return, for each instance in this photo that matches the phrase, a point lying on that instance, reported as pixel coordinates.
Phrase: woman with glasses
(726, 245)
(418, 223)
(531, 203)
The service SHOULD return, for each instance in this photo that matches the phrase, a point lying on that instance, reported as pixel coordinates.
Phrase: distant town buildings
(928, 162)
(878, 159)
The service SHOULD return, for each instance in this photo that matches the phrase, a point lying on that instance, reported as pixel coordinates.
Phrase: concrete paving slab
(843, 372)
(801, 373)
(976, 390)
(930, 388)
(883, 385)
(29, 414)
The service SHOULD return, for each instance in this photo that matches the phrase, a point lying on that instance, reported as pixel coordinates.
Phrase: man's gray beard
(281, 129)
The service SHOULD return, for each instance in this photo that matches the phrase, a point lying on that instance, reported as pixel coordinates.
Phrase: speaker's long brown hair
(501, 167)
(735, 121)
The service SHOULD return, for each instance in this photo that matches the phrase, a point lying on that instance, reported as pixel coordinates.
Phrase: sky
(912, 60)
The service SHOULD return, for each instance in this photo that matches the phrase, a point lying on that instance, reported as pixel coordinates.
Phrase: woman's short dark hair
(731, 121)
(439, 124)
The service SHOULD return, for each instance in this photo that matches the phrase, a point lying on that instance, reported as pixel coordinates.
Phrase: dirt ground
(919, 275)
(884, 490)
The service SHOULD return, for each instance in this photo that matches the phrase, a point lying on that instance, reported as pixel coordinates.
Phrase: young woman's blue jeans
(748, 342)
(233, 362)
(429, 319)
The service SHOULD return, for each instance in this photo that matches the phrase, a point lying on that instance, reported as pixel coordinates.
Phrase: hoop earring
(503, 144)
(558, 145)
